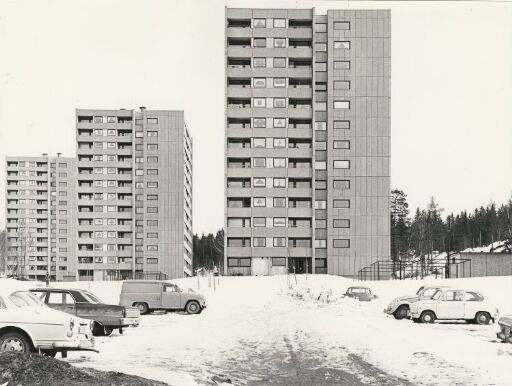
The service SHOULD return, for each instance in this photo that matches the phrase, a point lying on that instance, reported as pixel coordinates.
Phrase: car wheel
(107, 330)
(416, 320)
(14, 341)
(482, 318)
(143, 308)
(193, 307)
(427, 317)
(401, 312)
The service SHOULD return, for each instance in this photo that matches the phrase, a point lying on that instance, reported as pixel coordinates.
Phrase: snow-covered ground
(261, 330)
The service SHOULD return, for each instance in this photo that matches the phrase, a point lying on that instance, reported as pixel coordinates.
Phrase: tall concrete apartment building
(121, 209)
(307, 140)
(134, 193)
(41, 201)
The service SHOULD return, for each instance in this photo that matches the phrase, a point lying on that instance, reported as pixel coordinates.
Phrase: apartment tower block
(307, 140)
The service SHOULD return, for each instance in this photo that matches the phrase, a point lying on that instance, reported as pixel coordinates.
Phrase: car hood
(41, 314)
(408, 298)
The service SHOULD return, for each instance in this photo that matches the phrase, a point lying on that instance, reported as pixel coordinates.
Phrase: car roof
(48, 289)
(359, 287)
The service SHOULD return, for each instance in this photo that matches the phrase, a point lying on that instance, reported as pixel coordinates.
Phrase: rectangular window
(259, 23)
(152, 146)
(279, 202)
(342, 25)
(342, 65)
(152, 248)
(341, 204)
(279, 182)
(259, 202)
(279, 221)
(153, 121)
(152, 209)
(259, 62)
(152, 133)
(321, 145)
(345, 45)
(259, 42)
(279, 242)
(259, 102)
(259, 222)
(152, 260)
(321, 106)
(342, 85)
(279, 142)
(320, 47)
(279, 102)
(139, 172)
(152, 235)
(341, 223)
(320, 204)
(279, 43)
(279, 62)
(320, 165)
(279, 82)
(259, 82)
(343, 125)
(279, 23)
(320, 66)
(341, 184)
(341, 145)
(341, 104)
(259, 122)
(279, 122)
(152, 172)
(152, 196)
(259, 182)
(258, 142)
(279, 261)
(341, 164)
(321, 126)
(152, 159)
(152, 223)
(259, 242)
(319, 243)
(153, 184)
(279, 162)
(258, 162)
(341, 243)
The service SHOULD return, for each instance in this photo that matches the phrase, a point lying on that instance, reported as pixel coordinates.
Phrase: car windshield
(358, 290)
(25, 299)
(420, 290)
(91, 298)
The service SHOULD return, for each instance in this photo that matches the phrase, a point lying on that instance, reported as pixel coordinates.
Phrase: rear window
(25, 299)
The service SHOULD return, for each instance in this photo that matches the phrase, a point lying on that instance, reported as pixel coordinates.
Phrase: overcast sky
(451, 114)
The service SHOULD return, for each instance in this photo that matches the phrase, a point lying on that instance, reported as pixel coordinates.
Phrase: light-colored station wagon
(152, 295)
(454, 304)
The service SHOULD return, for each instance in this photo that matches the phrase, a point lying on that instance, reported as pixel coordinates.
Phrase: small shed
(488, 263)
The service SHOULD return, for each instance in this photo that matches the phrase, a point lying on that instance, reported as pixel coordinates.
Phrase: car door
(171, 297)
(472, 304)
(451, 305)
(61, 301)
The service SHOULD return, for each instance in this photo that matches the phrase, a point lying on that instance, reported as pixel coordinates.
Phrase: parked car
(400, 306)
(505, 334)
(363, 294)
(151, 295)
(454, 304)
(86, 305)
(26, 324)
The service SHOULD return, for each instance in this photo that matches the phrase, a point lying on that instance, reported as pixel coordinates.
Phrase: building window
(341, 145)
(341, 184)
(279, 202)
(279, 221)
(259, 82)
(259, 23)
(319, 243)
(139, 134)
(279, 103)
(341, 243)
(321, 145)
(279, 182)
(259, 62)
(153, 121)
(320, 66)
(259, 42)
(342, 85)
(343, 25)
(258, 142)
(341, 104)
(321, 106)
(279, 261)
(152, 146)
(321, 27)
(341, 164)
(259, 242)
(341, 204)
(152, 260)
(279, 142)
(320, 204)
(152, 196)
(320, 47)
(279, 62)
(342, 65)
(139, 172)
(279, 242)
(152, 184)
(259, 222)
(279, 122)
(152, 172)
(279, 43)
(259, 182)
(152, 209)
(259, 202)
(152, 133)
(258, 162)
(341, 223)
(152, 223)
(279, 23)
(152, 159)
(343, 125)
(279, 82)
(321, 126)
(345, 45)
(279, 162)
(152, 235)
(259, 122)
(320, 165)
(152, 248)
(259, 102)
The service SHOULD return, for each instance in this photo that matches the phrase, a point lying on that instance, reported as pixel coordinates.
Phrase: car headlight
(71, 323)
(91, 325)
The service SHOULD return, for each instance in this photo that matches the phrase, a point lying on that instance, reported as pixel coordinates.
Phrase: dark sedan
(85, 304)
(363, 294)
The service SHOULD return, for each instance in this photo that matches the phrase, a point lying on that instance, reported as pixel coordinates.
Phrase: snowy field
(267, 330)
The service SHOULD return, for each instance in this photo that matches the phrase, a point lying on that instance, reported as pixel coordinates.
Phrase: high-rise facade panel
(307, 140)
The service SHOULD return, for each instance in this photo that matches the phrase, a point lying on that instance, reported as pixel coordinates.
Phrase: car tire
(416, 320)
(193, 307)
(143, 308)
(482, 318)
(15, 341)
(427, 317)
(401, 312)
(107, 331)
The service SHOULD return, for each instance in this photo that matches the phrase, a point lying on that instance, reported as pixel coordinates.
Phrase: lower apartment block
(307, 140)
(121, 209)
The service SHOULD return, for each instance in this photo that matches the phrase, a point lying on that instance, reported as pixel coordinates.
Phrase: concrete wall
(489, 264)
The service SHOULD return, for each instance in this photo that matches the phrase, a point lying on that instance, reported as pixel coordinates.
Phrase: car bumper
(388, 311)
(125, 322)
(76, 345)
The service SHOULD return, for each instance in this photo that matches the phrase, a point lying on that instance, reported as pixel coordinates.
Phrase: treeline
(209, 251)
(427, 231)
